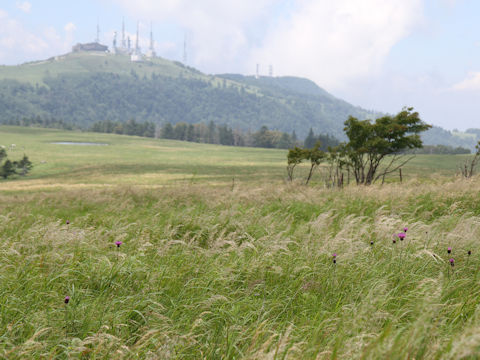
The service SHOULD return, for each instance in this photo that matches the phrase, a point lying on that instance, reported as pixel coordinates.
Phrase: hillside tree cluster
(374, 148)
(9, 168)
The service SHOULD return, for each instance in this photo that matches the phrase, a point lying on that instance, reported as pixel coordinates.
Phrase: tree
(190, 133)
(315, 155)
(7, 169)
(295, 156)
(211, 132)
(469, 167)
(167, 131)
(3, 154)
(24, 166)
(386, 138)
(310, 140)
(263, 138)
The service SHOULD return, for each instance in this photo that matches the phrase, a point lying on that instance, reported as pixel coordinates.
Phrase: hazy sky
(379, 54)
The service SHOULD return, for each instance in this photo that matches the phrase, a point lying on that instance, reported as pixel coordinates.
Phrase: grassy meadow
(214, 268)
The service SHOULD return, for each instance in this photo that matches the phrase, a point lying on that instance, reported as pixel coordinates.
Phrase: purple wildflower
(452, 262)
(118, 243)
(334, 258)
(469, 252)
(401, 236)
(67, 222)
(67, 299)
(371, 242)
(449, 250)
(405, 229)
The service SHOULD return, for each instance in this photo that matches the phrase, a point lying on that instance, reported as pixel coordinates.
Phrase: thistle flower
(452, 262)
(371, 242)
(401, 236)
(449, 250)
(334, 258)
(67, 222)
(394, 240)
(67, 299)
(118, 243)
(405, 229)
(469, 252)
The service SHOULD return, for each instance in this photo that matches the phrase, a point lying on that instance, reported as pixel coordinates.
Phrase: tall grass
(207, 272)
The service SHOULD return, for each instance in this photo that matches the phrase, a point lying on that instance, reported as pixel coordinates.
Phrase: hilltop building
(91, 47)
(95, 46)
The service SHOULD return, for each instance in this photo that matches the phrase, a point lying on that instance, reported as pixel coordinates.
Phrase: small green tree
(295, 156)
(7, 169)
(316, 156)
(3, 154)
(370, 143)
(23, 166)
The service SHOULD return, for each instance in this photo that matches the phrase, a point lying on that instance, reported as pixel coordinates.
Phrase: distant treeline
(211, 133)
(131, 127)
(38, 121)
(440, 150)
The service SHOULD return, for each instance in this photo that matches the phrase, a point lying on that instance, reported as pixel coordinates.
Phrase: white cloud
(328, 41)
(18, 43)
(25, 6)
(70, 27)
(334, 42)
(471, 83)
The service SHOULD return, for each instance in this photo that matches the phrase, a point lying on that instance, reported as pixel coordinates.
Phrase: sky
(381, 55)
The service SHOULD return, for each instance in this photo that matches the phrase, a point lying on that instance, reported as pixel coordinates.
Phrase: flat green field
(208, 268)
(127, 160)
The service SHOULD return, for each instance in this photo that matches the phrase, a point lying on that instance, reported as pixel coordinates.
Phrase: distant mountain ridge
(83, 88)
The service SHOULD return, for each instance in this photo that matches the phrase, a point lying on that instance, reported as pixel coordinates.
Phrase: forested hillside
(118, 90)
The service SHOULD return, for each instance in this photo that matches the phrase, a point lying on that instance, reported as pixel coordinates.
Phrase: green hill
(83, 88)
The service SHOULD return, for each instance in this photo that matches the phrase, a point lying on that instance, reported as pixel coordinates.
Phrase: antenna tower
(185, 49)
(152, 43)
(124, 41)
(97, 40)
(137, 47)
